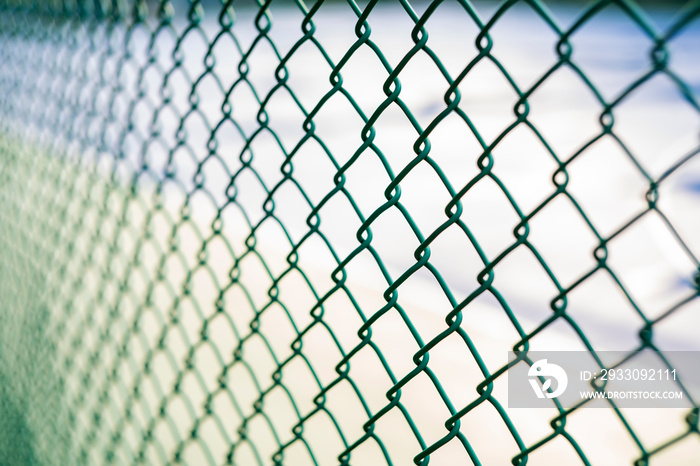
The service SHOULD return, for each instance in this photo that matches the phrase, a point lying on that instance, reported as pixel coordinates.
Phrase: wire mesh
(223, 223)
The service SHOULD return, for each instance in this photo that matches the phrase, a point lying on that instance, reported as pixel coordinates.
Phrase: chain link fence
(295, 233)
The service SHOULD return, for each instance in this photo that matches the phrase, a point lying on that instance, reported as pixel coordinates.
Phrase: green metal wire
(93, 220)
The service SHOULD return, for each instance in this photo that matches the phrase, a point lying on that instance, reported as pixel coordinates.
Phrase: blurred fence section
(299, 233)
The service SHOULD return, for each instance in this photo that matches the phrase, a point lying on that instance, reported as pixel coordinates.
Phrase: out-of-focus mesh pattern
(193, 224)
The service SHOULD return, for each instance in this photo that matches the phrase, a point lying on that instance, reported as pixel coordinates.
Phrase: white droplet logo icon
(548, 371)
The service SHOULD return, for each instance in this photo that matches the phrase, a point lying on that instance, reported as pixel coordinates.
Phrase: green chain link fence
(231, 235)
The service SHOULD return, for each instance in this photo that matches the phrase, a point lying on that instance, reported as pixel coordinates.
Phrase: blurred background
(309, 233)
